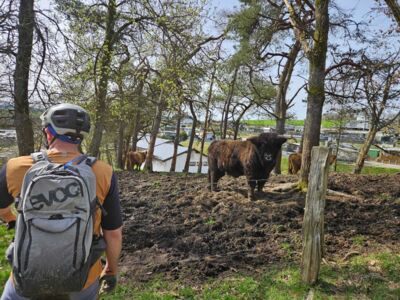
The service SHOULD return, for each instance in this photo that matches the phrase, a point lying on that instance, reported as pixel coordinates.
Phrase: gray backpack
(54, 245)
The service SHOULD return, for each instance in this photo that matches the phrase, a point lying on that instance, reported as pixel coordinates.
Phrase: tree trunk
(237, 122)
(316, 88)
(395, 8)
(148, 166)
(207, 117)
(280, 129)
(120, 149)
(138, 114)
(22, 121)
(176, 141)
(191, 139)
(228, 103)
(108, 155)
(363, 153)
(281, 105)
(338, 140)
(236, 130)
(312, 126)
(101, 97)
(135, 132)
(221, 125)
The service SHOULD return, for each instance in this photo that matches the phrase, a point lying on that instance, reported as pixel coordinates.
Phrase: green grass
(367, 170)
(348, 168)
(197, 145)
(5, 239)
(372, 276)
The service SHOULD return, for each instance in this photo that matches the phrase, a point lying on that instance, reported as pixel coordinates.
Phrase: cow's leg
(214, 176)
(212, 181)
(209, 179)
(260, 184)
(252, 186)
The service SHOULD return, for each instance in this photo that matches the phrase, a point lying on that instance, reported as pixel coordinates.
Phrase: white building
(163, 152)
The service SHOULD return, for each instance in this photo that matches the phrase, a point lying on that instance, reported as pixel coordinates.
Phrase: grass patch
(5, 269)
(368, 170)
(347, 168)
(372, 276)
(197, 145)
(358, 240)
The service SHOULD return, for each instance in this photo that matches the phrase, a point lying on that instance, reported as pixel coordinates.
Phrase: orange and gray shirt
(12, 175)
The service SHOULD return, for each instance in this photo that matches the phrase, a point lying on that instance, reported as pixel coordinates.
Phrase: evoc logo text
(58, 195)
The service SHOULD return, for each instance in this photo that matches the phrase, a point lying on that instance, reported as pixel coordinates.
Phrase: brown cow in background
(255, 158)
(295, 162)
(134, 159)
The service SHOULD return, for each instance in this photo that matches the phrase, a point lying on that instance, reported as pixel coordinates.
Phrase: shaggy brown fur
(295, 162)
(254, 158)
(135, 159)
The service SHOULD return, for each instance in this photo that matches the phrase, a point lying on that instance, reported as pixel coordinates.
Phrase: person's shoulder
(19, 163)
(101, 168)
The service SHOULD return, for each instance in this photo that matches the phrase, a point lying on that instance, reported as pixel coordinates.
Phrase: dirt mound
(384, 185)
(175, 226)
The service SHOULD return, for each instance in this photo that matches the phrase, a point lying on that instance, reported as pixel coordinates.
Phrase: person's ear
(49, 136)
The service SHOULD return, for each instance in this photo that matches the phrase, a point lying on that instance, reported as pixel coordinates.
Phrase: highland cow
(294, 162)
(255, 158)
(135, 159)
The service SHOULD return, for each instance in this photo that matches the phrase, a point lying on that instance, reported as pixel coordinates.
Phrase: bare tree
(22, 121)
(314, 42)
(380, 88)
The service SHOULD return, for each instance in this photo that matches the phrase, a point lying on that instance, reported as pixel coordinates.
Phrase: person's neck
(60, 146)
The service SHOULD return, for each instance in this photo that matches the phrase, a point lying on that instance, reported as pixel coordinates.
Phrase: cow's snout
(268, 156)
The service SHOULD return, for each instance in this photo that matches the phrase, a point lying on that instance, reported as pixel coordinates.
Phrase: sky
(359, 9)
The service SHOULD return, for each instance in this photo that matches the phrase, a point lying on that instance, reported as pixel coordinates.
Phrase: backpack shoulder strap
(90, 160)
(39, 156)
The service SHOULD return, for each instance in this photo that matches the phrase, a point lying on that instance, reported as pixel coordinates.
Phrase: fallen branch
(350, 254)
(341, 194)
(286, 187)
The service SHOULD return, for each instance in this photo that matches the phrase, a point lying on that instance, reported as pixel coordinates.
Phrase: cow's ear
(281, 140)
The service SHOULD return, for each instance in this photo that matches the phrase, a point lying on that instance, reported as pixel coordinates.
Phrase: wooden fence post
(313, 222)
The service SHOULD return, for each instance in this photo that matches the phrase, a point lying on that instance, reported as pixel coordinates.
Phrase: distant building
(163, 153)
(360, 123)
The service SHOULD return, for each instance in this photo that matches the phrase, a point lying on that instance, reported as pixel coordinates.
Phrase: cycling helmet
(68, 122)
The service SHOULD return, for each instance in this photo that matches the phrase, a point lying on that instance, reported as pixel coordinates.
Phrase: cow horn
(286, 136)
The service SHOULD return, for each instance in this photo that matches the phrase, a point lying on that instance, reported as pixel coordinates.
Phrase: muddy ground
(175, 227)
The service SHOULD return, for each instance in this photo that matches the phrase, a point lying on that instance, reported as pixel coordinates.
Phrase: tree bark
(281, 104)
(237, 122)
(316, 87)
(22, 121)
(363, 153)
(120, 150)
(148, 166)
(395, 8)
(206, 119)
(191, 139)
(228, 103)
(138, 115)
(176, 141)
(105, 62)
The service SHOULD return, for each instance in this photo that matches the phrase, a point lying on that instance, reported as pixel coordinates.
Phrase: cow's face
(268, 145)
